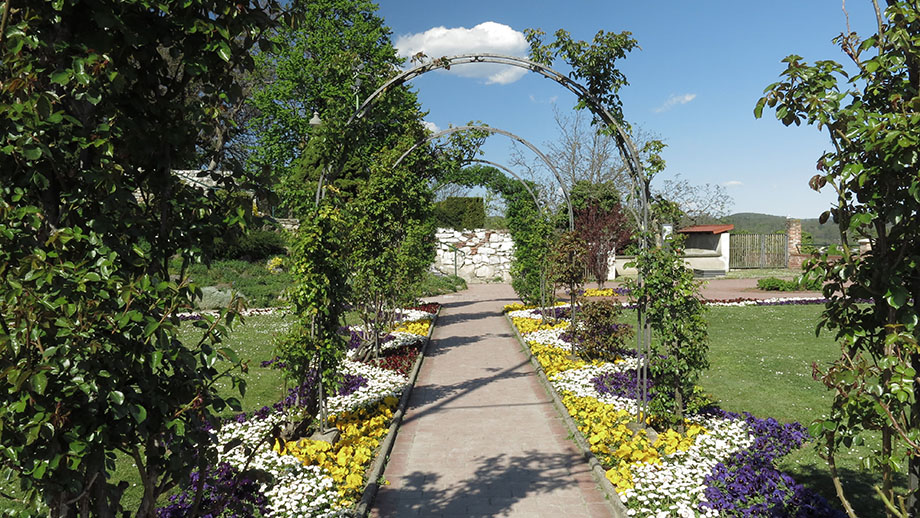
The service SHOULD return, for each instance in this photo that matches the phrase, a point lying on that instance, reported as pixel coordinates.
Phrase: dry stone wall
(481, 255)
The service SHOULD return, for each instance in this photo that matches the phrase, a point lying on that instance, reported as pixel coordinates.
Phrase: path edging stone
(380, 461)
(600, 474)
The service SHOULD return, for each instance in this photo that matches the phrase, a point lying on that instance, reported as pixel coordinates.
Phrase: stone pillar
(794, 256)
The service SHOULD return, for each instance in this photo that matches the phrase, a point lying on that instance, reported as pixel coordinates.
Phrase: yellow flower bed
(616, 445)
(553, 359)
(529, 325)
(517, 306)
(594, 292)
(361, 432)
(418, 327)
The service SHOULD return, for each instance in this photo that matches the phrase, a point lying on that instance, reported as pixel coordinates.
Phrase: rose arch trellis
(624, 143)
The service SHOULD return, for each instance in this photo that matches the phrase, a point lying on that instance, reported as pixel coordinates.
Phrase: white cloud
(487, 37)
(549, 100)
(732, 183)
(674, 100)
(431, 127)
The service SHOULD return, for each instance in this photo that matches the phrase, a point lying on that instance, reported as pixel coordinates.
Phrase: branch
(881, 34)
(6, 15)
(85, 491)
(835, 477)
(889, 504)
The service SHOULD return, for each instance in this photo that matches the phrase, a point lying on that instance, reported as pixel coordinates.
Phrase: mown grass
(759, 273)
(761, 362)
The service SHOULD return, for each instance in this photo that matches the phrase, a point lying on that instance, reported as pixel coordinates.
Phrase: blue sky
(694, 83)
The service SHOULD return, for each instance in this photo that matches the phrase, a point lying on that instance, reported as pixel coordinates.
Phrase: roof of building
(707, 229)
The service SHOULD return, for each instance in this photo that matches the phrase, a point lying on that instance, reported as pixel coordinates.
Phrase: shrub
(253, 281)
(801, 284)
(599, 335)
(255, 245)
(461, 212)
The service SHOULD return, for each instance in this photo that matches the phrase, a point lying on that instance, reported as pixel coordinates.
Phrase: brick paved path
(480, 436)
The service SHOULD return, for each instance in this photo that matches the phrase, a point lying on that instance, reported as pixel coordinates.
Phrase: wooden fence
(758, 251)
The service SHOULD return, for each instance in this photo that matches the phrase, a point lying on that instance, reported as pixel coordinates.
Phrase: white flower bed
(579, 383)
(309, 491)
(411, 315)
(380, 384)
(297, 490)
(550, 337)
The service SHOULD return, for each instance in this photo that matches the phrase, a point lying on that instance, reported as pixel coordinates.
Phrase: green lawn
(761, 362)
(759, 273)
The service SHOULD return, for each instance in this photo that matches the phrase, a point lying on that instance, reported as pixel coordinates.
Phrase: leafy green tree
(312, 349)
(95, 113)
(568, 262)
(392, 242)
(530, 229)
(870, 113)
(675, 313)
(461, 213)
(338, 55)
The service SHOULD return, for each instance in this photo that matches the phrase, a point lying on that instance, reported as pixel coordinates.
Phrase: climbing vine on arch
(529, 228)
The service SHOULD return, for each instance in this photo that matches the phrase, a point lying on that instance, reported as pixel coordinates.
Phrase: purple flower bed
(225, 493)
(620, 384)
(749, 485)
(351, 383)
(356, 338)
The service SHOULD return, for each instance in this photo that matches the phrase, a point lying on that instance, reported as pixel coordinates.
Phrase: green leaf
(117, 397)
(229, 354)
(39, 381)
(897, 296)
(31, 152)
(224, 51)
(138, 412)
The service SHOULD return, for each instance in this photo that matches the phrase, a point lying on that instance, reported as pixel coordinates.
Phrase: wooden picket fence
(758, 251)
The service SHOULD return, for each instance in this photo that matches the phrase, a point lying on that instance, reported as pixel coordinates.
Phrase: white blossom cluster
(301, 491)
(296, 490)
(773, 301)
(579, 383)
(549, 337)
(380, 384)
(411, 315)
(675, 487)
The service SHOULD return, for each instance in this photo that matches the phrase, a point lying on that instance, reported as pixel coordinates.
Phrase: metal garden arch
(625, 145)
(510, 135)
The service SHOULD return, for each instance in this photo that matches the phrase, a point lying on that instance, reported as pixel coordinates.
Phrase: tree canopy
(95, 113)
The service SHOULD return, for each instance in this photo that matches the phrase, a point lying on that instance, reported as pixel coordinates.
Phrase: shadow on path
(500, 482)
(438, 396)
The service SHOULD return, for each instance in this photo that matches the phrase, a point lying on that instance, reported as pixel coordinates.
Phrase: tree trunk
(679, 404)
(913, 461)
(887, 481)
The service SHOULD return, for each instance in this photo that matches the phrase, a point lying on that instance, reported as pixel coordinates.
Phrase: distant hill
(753, 223)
